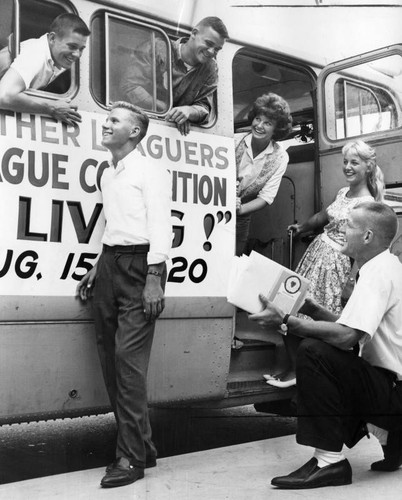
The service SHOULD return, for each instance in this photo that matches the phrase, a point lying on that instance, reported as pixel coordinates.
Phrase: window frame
(371, 89)
(105, 19)
(74, 71)
(304, 116)
(326, 96)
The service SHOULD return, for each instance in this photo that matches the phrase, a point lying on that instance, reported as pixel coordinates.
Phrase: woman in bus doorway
(323, 264)
(260, 161)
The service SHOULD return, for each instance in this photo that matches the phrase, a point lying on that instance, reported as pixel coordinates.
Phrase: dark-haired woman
(260, 161)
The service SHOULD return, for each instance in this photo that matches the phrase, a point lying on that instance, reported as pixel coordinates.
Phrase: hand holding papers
(255, 274)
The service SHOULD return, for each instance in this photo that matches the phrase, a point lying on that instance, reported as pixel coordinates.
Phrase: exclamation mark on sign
(209, 223)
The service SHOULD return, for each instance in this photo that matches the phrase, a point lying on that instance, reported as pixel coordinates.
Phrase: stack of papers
(254, 274)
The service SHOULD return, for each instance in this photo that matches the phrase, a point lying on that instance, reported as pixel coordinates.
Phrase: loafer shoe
(149, 463)
(312, 476)
(392, 453)
(121, 474)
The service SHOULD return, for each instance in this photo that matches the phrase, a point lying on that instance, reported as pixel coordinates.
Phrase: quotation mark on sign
(209, 224)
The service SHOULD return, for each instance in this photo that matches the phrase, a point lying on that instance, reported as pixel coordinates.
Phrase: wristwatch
(284, 325)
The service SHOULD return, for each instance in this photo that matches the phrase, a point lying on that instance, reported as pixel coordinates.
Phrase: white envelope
(255, 274)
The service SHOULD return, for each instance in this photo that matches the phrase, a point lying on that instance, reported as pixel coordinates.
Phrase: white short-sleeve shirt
(375, 307)
(34, 63)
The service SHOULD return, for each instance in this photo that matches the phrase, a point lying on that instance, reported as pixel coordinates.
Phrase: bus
(51, 211)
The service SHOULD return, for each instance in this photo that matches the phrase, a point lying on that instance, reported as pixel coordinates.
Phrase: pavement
(240, 472)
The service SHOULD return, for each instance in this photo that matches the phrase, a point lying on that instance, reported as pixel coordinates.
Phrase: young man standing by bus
(129, 288)
(39, 63)
(194, 74)
(338, 392)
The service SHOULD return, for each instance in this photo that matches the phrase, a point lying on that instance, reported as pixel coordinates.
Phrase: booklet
(253, 274)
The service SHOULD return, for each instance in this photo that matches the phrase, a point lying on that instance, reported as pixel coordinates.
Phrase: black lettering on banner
(154, 150)
(25, 264)
(24, 218)
(223, 158)
(7, 263)
(15, 174)
(70, 132)
(83, 231)
(57, 170)
(203, 273)
(180, 265)
(30, 266)
(90, 162)
(178, 231)
(30, 124)
(207, 153)
(3, 121)
(95, 145)
(32, 177)
(48, 126)
(83, 263)
(192, 188)
(190, 149)
(169, 153)
(37, 169)
(57, 220)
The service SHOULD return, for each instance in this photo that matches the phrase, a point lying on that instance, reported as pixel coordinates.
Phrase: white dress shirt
(375, 307)
(136, 202)
(34, 63)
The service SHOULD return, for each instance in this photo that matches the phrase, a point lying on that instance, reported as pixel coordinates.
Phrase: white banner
(51, 208)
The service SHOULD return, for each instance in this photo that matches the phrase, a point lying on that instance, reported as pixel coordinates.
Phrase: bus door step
(250, 361)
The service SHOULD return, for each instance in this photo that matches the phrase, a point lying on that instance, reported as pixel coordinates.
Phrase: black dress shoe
(121, 474)
(149, 463)
(312, 476)
(392, 453)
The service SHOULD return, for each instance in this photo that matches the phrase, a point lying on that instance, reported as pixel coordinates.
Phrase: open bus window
(365, 98)
(254, 76)
(35, 18)
(132, 64)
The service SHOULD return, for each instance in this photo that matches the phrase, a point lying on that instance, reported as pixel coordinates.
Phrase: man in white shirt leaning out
(128, 282)
(39, 63)
(341, 396)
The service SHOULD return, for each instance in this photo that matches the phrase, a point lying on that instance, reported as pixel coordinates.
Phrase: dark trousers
(242, 232)
(124, 340)
(338, 393)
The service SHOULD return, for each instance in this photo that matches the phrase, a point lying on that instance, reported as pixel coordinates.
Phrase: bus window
(364, 99)
(252, 77)
(35, 18)
(131, 62)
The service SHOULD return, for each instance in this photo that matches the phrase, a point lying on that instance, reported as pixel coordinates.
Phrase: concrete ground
(239, 472)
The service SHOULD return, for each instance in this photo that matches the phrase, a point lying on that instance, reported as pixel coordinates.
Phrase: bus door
(361, 98)
(255, 72)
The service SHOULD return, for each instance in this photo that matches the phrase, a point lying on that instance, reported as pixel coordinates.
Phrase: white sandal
(282, 383)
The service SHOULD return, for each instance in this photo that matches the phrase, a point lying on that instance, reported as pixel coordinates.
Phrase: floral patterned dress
(323, 263)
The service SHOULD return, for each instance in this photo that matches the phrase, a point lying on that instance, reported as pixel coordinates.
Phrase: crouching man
(341, 395)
